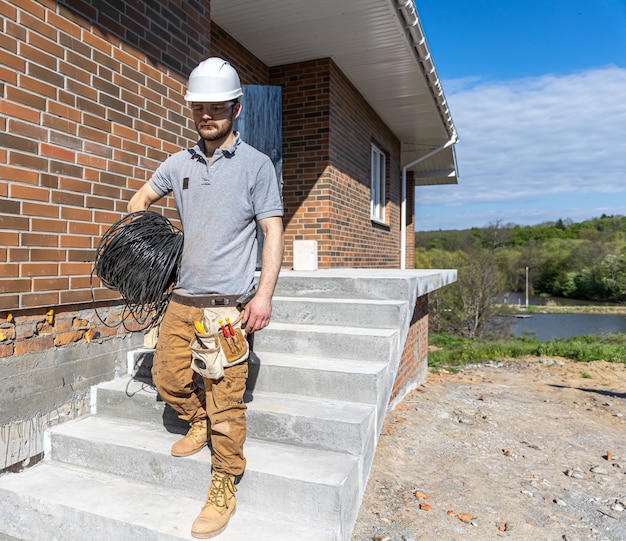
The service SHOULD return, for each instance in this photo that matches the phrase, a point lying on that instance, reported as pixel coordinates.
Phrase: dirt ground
(531, 449)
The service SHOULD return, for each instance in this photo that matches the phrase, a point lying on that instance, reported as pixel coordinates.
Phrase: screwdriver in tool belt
(226, 335)
(221, 322)
(230, 327)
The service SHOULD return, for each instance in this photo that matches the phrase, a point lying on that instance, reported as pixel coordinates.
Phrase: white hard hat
(214, 79)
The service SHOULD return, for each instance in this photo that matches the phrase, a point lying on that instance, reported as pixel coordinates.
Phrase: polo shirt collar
(227, 152)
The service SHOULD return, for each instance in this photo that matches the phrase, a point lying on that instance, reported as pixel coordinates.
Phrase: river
(549, 326)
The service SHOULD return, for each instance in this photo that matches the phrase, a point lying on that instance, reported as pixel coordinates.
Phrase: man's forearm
(271, 258)
(258, 312)
(142, 199)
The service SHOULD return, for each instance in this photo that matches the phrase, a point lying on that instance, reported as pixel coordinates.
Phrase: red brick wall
(90, 103)
(414, 361)
(353, 127)
(328, 129)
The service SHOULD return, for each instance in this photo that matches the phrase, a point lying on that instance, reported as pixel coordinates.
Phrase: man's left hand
(257, 314)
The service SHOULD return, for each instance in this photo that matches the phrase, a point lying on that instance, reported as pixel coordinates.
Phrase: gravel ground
(531, 449)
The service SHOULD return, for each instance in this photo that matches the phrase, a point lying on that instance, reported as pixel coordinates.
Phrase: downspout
(451, 142)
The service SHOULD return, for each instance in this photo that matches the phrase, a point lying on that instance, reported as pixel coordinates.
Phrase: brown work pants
(221, 401)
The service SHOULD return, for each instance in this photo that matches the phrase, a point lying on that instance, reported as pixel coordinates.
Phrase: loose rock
(451, 448)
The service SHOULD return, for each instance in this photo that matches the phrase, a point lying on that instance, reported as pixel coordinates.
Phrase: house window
(379, 168)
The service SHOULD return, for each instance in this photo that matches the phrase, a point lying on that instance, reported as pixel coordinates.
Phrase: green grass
(452, 351)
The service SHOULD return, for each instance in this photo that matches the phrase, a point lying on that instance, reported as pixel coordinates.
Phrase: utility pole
(526, 287)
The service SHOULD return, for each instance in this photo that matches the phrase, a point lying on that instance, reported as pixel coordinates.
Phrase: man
(223, 188)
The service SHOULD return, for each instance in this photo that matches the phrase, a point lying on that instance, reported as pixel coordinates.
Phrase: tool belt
(202, 301)
(219, 342)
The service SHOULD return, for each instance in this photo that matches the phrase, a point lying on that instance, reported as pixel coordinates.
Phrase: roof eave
(381, 48)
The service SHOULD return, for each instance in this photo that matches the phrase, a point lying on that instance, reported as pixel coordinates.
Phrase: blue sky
(537, 91)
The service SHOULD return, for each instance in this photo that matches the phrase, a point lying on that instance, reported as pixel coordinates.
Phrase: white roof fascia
(378, 44)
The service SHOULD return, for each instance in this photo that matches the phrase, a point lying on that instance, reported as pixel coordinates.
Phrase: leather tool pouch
(235, 348)
(212, 351)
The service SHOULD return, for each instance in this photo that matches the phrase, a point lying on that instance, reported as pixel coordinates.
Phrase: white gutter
(450, 142)
(416, 35)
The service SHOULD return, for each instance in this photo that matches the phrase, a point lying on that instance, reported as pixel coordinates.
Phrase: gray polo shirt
(219, 203)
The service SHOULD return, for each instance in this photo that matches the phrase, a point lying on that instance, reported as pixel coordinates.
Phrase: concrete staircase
(320, 379)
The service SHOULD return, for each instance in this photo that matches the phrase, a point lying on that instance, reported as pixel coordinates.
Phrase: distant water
(549, 326)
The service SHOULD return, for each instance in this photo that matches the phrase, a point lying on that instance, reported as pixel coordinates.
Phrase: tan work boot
(219, 507)
(195, 440)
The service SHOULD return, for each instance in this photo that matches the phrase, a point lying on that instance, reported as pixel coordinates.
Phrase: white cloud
(534, 149)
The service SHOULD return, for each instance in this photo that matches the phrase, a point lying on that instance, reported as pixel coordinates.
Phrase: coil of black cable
(138, 256)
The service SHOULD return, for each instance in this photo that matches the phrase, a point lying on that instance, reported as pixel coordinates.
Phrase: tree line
(584, 261)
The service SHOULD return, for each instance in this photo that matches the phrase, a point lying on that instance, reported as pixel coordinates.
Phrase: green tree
(585, 260)
(465, 307)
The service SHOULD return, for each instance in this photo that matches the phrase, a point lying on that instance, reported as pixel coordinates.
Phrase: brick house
(91, 103)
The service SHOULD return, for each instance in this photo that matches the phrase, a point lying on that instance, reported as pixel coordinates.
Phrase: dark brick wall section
(306, 154)
(328, 129)
(414, 360)
(170, 33)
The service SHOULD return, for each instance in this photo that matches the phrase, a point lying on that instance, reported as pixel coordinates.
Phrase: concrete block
(139, 362)
(58, 375)
(304, 255)
(22, 442)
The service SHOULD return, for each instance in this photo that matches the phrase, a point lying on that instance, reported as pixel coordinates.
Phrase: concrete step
(330, 311)
(300, 483)
(365, 382)
(131, 398)
(347, 284)
(330, 341)
(323, 377)
(288, 418)
(319, 380)
(347, 427)
(59, 502)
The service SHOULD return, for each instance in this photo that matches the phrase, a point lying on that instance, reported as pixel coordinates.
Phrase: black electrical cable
(138, 256)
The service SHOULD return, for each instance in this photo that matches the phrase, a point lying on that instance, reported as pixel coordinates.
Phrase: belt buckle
(219, 302)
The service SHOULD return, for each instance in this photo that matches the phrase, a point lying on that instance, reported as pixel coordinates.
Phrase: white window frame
(379, 177)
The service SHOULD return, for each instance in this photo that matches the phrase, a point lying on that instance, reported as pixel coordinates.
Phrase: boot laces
(197, 431)
(221, 483)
